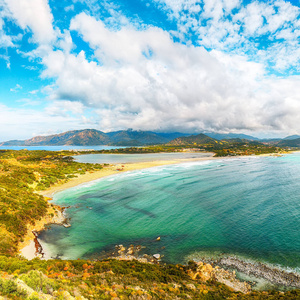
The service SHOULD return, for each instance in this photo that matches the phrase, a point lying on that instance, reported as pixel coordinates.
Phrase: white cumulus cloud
(35, 15)
(144, 80)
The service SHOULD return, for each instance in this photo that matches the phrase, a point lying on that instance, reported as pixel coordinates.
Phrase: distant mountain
(12, 143)
(92, 137)
(227, 136)
(199, 139)
(289, 143)
(285, 142)
(172, 135)
(76, 137)
(135, 138)
(270, 141)
(292, 137)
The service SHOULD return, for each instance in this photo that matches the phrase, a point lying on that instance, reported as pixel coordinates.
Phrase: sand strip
(117, 169)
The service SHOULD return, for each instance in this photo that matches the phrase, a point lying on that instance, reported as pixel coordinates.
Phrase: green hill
(289, 143)
(200, 139)
(136, 138)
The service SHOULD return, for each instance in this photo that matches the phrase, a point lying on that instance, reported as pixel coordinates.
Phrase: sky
(162, 65)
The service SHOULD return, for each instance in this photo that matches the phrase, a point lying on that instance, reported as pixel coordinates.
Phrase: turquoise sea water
(247, 206)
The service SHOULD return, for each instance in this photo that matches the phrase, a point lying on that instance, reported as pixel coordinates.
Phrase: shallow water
(134, 158)
(247, 206)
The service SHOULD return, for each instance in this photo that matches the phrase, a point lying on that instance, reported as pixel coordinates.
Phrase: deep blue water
(247, 206)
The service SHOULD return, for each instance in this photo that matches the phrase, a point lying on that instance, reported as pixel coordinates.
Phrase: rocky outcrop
(59, 217)
(196, 270)
(259, 270)
(205, 272)
(133, 253)
(55, 215)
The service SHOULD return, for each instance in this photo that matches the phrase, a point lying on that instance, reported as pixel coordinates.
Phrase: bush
(10, 288)
(38, 281)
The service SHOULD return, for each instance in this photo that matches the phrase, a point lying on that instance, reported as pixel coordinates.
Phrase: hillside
(119, 279)
(135, 138)
(289, 143)
(227, 147)
(226, 136)
(22, 173)
(292, 137)
(200, 139)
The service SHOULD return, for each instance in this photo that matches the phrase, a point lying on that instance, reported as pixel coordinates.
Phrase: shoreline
(28, 248)
(114, 169)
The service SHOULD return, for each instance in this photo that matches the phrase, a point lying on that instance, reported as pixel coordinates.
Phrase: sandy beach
(116, 169)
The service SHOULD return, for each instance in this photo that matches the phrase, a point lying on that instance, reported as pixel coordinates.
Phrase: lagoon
(140, 157)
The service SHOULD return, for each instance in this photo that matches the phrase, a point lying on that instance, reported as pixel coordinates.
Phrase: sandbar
(114, 169)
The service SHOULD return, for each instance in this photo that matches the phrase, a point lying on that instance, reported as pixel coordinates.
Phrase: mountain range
(93, 137)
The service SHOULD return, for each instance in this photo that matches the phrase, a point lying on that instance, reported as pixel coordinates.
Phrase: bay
(248, 207)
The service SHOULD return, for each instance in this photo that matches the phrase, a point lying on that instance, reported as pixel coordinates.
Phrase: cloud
(5, 40)
(16, 88)
(235, 27)
(64, 108)
(142, 79)
(6, 58)
(219, 76)
(24, 123)
(69, 8)
(36, 15)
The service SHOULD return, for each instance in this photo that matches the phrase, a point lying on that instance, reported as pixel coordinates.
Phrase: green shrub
(39, 282)
(10, 288)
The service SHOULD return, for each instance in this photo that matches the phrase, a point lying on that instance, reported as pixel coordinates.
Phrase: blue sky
(165, 65)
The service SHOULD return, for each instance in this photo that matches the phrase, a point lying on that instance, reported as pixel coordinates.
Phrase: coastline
(28, 248)
(114, 169)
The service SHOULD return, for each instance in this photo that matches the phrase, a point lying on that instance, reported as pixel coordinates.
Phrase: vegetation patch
(22, 173)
